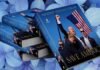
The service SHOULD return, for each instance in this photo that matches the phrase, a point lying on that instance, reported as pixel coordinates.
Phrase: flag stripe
(81, 23)
(82, 20)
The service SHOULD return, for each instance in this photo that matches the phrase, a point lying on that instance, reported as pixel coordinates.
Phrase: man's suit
(69, 48)
(91, 40)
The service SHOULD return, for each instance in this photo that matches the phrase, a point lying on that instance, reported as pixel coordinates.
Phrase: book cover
(69, 35)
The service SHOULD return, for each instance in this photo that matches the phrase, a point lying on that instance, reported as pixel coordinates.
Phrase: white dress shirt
(87, 42)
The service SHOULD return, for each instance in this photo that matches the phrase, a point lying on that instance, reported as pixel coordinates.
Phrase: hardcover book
(24, 20)
(69, 35)
(38, 48)
(29, 46)
(7, 36)
(28, 35)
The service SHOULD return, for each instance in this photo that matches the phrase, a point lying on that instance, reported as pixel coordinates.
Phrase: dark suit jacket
(69, 48)
(66, 35)
(63, 30)
(92, 41)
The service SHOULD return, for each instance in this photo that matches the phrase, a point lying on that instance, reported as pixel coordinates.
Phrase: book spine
(18, 23)
(46, 35)
(7, 33)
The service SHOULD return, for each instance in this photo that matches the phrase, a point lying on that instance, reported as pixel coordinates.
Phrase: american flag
(76, 19)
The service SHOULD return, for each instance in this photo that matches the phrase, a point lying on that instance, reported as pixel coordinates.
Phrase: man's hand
(57, 17)
(60, 58)
(15, 39)
(60, 42)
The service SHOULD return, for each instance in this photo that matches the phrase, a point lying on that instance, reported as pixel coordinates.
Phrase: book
(7, 32)
(69, 35)
(28, 45)
(36, 46)
(40, 51)
(7, 36)
(23, 20)
(25, 37)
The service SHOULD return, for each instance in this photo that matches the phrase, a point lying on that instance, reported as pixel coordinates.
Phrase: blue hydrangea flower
(69, 2)
(94, 65)
(8, 55)
(52, 63)
(21, 5)
(95, 3)
(38, 4)
(3, 6)
(94, 18)
(61, 3)
(2, 13)
(26, 65)
(81, 66)
(45, 64)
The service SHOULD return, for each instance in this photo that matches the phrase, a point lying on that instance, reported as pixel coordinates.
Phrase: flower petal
(50, 60)
(91, 66)
(69, 2)
(13, 59)
(61, 2)
(2, 56)
(50, 63)
(41, 65)
(96, 60)
(38, 4)
(11, 1)
(26, 66)
(92, 16)
(48, 2)
(98, 32)
(2, 13)
(53, 6)
(2, 0)
(22, 5)
(35, 63)
(57, 66)
(95, 3)
(7, 67)
(80, 2)
(81, 66)
(3, 6)
(2, 61)
(7, 48)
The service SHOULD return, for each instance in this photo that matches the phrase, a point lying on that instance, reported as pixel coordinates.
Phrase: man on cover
(72, 45)
(71, 30)
(88, 41)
